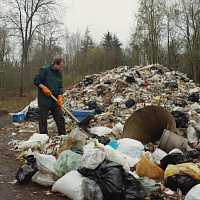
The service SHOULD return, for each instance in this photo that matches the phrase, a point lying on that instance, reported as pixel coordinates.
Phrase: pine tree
(87, 43)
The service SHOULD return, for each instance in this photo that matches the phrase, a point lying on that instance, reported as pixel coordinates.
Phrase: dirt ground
(9, 166)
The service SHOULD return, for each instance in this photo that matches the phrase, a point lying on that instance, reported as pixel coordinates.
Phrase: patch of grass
(12, 103)
(71, 81)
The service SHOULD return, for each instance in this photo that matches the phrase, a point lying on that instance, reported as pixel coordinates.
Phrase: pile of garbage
(143, 140)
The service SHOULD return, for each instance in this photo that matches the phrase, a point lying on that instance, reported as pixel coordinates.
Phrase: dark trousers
(57, 115)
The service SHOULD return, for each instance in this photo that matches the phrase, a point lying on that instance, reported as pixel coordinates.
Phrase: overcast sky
(101, 16)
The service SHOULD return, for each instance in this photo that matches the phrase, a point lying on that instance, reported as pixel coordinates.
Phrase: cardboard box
(18, 117)
(81, 114)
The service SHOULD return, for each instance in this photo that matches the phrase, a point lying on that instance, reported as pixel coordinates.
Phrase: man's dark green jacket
(52, 79)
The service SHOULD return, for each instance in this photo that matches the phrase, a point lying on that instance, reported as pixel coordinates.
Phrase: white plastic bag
(46, 164)
(118, 129)
(77, 187)
(101, 130)
(43, 179)
(130, 147)
(193, 193)
(92, 159)
(70, 185)
(33, 141)
(158, 155)
(148, 184)
(192, 135)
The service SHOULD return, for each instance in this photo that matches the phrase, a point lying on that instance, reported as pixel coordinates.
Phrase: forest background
(32, 34)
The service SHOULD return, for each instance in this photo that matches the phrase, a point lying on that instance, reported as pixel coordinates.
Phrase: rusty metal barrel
(147, 124)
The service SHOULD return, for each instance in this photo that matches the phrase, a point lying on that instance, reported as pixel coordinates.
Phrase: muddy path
(9, 165)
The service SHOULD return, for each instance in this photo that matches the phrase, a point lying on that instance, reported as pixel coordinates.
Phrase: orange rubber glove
(59, 101)
(47, 92)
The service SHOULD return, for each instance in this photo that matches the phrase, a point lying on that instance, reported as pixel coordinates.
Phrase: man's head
(58, 64)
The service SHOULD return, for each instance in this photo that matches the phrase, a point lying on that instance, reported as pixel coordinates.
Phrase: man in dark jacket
(49, 82)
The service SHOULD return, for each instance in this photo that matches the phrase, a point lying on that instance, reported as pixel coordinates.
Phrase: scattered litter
(143, 140)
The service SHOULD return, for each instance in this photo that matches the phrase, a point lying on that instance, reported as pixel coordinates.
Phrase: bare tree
(150, 24)
(24, 18)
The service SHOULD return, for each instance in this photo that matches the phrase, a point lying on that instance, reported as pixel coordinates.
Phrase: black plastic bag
(138, 73)
(180, 118)
(129, 103)
(99, 93)
(107, 82)
(26, 172)
(98, 109)
(194, 97)
(184, 79)
(114, 182)
(130, 79)
(181, 103)
(92, 105)
(193, 154)
(102, 139)
(32, 114)
(174, 159)
(171, 84)
(88, 81)
(133, 187)
(160, 71)
(156, 197)
(182, 181)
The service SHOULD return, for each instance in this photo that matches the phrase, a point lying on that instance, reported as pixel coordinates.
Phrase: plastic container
(148, 124)
(18, 117)
(170, 141)
(81, 114)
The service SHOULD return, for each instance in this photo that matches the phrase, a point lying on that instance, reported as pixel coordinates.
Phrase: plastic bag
(129, 103)
(188, 168)
(192, 135)
(25, 173)
(118, 129)
(75, 141)
(195, 153)
(158, 155)
(180, 118)
(182, 181)
(175, 158)
(77, 187)
(130, 79)
(116, 156)
(101, 139)
(92, 159)
(148, 184)
(131, 147)
(146, 168)
(114, 182)
(43, 179)
(171, 84)
(33, 141)
(181, 103)
(101, 130)
(68, 161)
(193, 194)
(194, 97)
(113, 144)
(46, 164)
(70, 185)
(32, 114)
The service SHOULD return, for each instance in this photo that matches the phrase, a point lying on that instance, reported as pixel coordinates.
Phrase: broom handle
(66, 110)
